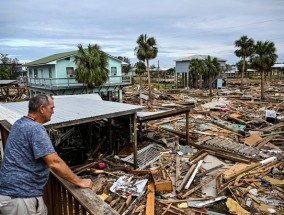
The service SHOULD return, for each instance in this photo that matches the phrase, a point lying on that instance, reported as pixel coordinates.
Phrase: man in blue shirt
(29, 156)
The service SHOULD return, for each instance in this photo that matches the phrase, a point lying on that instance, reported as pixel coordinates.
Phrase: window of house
(50, 72)
(70, 72)
(113, 71)
(35, 73)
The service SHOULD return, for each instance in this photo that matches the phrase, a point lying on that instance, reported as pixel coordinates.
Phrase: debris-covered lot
(233, 163)
(224, 155)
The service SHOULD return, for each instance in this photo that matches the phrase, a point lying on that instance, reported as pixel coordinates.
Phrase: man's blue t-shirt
(24, 173)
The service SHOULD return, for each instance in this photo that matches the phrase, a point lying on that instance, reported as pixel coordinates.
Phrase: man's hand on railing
(85, 183)
(56, 164)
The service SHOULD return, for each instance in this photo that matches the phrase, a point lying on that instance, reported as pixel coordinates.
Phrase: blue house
(55, 75)
(183, 65)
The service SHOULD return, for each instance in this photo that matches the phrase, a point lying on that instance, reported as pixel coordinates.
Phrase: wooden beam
(150, 204)
(185, 179)
(187, 127)
(193, 174)
(164, 114)
(178, 171)
(134, 132)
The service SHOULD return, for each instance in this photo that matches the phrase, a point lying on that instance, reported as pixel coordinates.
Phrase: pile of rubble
(13, 93)
(232, 165)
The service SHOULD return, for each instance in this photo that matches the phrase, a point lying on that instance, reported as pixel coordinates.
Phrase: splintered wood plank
(150, 205)
(178, 171)
(166, 210)
(185, 179)
(263, 142)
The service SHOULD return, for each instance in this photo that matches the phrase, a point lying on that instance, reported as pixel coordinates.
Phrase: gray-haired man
(29, 155)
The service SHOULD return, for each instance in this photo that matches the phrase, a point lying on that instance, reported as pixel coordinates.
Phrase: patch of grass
(162, 86)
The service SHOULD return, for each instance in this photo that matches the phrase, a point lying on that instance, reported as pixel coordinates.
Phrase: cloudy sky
(32, 29)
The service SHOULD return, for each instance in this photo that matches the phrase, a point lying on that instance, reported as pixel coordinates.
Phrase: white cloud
(34, 29)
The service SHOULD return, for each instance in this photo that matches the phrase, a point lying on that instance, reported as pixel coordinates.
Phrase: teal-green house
(55, 75)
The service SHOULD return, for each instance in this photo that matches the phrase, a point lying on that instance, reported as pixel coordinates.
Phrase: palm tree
(140, 69)
(263, 59)
(145, 51)
(197, 67)
(241, 67)
(4, 73)
(92, 66)
(193, 72)
(245, 49)
(212, 68)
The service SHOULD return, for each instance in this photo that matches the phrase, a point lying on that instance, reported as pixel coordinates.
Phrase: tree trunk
(140, 89)
(200, 81)
(210, 85)
(262, 86)
(242, 74)
(149, 81)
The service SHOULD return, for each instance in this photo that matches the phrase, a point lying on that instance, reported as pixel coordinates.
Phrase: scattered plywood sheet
(255, 139)
(238, 167)
(209, 163)
(252, 139)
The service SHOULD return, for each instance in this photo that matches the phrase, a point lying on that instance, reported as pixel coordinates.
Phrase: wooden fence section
(63, 198)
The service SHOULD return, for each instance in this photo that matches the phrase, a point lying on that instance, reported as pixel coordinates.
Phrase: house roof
(72, 110)
(199, 57)
(51, 58)
(7, 82)
(161, 68)
(278, 65)
(248, 70)
(59, 56)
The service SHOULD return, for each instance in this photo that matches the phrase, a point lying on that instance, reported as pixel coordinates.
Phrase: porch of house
(69, 86)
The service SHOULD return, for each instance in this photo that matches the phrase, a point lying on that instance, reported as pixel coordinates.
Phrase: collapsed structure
(192, 154)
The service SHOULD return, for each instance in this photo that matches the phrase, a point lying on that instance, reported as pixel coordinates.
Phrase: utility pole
(158, 74)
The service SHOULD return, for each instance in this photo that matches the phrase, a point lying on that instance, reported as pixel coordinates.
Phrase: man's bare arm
(59, 167)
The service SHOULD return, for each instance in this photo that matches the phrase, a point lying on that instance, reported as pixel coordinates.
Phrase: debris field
(232, 164)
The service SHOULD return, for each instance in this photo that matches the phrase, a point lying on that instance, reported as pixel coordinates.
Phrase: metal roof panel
(70, 110)
(5, 82)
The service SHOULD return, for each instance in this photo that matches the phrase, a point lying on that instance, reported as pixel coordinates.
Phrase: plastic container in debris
(270, 116)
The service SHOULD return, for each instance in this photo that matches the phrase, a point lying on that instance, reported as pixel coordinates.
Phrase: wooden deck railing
(58, 83)
(63, 198)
